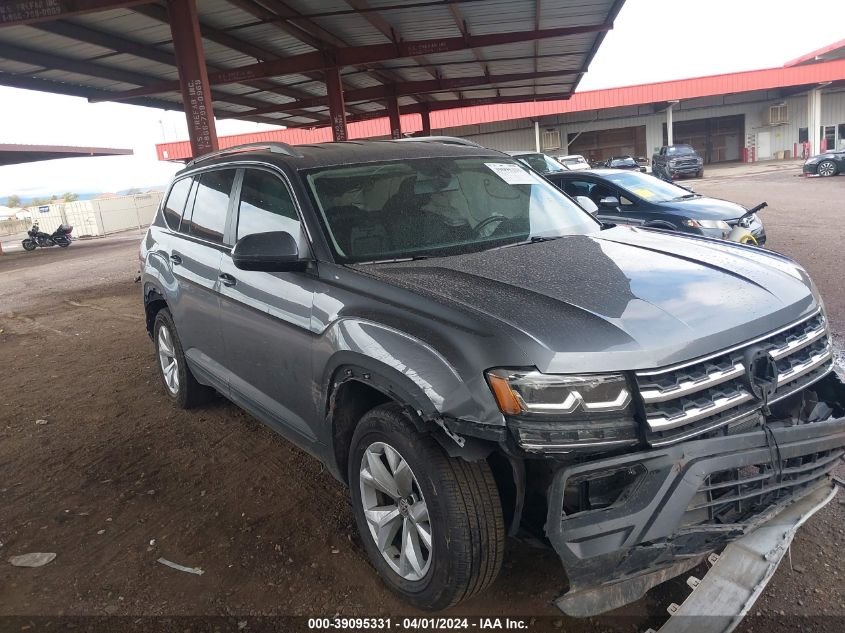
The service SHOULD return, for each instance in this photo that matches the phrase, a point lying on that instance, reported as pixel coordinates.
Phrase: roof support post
(670, 140)
(337, 106)
(193, 76)
(425, 115)
(393, 116)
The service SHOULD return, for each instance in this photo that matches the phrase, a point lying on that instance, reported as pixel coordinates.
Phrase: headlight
(748, 221)
(708, 224)
(561, 413)
(813, 160)
(555, 394)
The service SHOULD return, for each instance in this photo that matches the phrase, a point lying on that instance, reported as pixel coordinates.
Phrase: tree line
(14, 201)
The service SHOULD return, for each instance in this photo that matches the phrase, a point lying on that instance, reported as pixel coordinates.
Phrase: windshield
(679, 150)
(541, 163)
(624, 161)
(648, 187)
(438, 206)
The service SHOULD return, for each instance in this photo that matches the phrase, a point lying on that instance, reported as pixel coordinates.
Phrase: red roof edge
(746, 81)
(816, 53)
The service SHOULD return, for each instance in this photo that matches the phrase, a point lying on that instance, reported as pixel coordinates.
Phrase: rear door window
(211, 204)
(175, 204)
(266, 205)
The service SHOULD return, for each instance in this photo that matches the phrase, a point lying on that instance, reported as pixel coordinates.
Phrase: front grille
(737, 495)
(705, 394)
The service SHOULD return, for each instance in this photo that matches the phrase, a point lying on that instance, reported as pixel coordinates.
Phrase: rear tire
(826, 168)
(178, 381)
(460, 501)
(29, 245)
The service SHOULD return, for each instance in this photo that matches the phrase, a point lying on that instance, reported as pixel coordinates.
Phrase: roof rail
(274, 147)
(451, 140)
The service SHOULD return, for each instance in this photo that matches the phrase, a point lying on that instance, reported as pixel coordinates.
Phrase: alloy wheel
(827, 168)
(396, 511)
(167, 359)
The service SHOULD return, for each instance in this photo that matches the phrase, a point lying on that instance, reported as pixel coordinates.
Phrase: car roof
(344, 153)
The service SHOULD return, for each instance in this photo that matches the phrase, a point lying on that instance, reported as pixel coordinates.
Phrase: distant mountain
(90, 195)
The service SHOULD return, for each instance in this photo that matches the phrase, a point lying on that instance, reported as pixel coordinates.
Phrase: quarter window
(211, 203)
(266, 205)
(175, 204)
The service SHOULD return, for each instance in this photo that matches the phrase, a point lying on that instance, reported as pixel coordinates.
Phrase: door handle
(226, 279)
(175, 258)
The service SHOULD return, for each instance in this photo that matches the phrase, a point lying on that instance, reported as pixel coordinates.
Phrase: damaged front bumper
(679, 504)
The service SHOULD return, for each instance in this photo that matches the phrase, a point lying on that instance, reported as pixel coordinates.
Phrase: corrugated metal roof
(123, 49)
(625, 96)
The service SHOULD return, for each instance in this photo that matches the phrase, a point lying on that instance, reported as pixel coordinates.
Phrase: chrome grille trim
(740, 397)
(800, 343)
(691, 386)
(705, 394)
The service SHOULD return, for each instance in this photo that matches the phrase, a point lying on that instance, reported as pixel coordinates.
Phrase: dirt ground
(117, 478)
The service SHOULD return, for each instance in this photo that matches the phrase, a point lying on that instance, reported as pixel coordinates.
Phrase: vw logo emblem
(761, 373)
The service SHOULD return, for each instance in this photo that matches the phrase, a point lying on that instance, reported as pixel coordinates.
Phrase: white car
(573, 162)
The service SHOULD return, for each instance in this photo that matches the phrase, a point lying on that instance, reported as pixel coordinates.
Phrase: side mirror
(587, 204)
(273, 252)
(610, 202)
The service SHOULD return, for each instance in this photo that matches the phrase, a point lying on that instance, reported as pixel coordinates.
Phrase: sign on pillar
(193, 76)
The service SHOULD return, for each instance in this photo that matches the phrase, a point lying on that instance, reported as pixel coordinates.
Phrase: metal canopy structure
(13, 154)
(302, 63)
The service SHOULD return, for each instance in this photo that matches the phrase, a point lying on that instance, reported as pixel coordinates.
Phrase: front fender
(408, 369)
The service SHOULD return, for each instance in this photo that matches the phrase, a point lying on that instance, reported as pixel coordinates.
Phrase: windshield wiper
(686, 196)
(394, 261)
(531, 240)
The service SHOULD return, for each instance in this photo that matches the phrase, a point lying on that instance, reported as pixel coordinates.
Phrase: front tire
(29, 245)
(826, 168)
(179, 383)
(432, 525)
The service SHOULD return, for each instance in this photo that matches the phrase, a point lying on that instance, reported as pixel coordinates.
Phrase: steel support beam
(193, 76)
(425, 115)
(407, 89)
(337, 108)
(394, 117)
(18, 12)
(368, 54)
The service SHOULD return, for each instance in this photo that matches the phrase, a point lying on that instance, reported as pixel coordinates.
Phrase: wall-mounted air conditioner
(551, 139)
(776, 114)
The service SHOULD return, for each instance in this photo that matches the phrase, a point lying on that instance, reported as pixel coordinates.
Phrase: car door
(195, 260)
(266, 316)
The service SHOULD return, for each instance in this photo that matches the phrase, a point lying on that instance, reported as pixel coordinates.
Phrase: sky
(653, 40)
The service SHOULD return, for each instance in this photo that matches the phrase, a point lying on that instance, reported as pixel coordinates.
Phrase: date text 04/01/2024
(434, 624)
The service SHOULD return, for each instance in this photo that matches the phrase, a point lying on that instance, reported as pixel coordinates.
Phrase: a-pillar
(393, 116)
(337, 105)
(193, 76)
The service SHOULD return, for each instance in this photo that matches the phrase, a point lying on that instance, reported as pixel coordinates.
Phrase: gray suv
(476, 356)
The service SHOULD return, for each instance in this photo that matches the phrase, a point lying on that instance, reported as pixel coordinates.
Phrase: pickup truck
(672, 161)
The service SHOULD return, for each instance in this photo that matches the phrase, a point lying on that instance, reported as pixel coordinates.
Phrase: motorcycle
(38, 238)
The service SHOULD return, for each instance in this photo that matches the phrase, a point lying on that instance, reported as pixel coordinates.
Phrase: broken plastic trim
(730, 588)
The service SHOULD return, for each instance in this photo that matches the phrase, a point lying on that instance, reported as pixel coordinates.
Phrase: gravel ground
(116, 478)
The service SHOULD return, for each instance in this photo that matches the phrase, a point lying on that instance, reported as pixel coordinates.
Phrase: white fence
(90, 218)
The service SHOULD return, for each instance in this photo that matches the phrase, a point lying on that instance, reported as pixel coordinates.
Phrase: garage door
(602, 144)
(717, 139)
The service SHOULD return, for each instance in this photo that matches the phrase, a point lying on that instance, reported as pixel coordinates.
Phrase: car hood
(704, 208)
(625, 298)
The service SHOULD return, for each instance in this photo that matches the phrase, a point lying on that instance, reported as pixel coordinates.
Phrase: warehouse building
(753, 115)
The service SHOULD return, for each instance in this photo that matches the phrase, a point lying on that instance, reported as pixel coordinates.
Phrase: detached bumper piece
(739, 575)
(624, 524)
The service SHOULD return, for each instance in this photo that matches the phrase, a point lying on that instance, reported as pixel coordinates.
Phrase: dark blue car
(630, 197)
